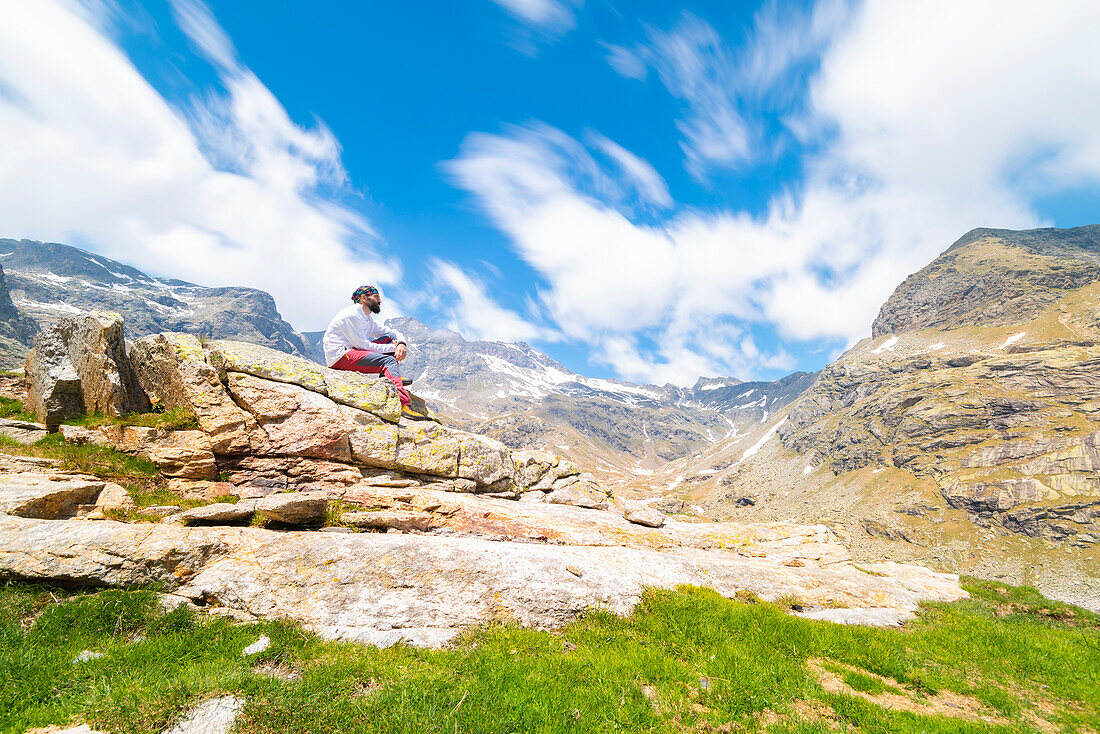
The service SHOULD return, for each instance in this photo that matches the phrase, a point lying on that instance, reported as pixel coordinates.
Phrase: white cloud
(651, 188)
(611, 279)
(474, 314)
(224, 191)
(553, 15)
(542, 20)
(626, 62)
(723, 86)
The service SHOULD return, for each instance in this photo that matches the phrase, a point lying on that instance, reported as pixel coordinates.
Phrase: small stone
(639, 514)
(257, 647)
(575, 571)
(406, 520)
(294, 508)
(213, 716)
(220, 512)
(86, 655)
(161, 510)
(336, 529)
(22, 431)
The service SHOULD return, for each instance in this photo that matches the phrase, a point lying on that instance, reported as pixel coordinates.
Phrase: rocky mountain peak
(993, 277)
(49, 280)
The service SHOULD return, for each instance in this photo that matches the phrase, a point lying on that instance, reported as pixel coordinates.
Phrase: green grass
(12, 408)
(708, 664)
(171, 419)
(100, 461)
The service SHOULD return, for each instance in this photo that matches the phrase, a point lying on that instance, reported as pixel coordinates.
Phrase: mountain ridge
(47, 280)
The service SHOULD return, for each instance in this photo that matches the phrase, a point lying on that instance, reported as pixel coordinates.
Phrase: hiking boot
(406, 381)
(414, 415)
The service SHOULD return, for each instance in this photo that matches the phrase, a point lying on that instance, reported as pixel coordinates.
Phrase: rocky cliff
(16, 330)
(49, 280)
(965, 432)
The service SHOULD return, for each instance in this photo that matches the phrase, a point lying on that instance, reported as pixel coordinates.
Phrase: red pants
(374, 363)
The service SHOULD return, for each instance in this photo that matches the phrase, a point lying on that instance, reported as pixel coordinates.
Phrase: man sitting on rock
(354, 341)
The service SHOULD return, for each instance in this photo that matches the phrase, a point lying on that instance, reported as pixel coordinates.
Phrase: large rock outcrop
(276, 422)
(993, 277)
(79, 365)
(457, 566)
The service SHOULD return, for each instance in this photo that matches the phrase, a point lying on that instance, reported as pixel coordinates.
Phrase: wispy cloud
(728, 89)
(637, 171)
(464, 300)
(224, 190)
(542, 20)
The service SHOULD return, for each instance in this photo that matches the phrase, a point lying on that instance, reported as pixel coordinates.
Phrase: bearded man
(355, 341)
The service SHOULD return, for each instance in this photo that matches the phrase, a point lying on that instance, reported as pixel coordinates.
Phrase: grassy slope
(686, 660)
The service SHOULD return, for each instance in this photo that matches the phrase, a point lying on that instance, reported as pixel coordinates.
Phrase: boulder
(294, 508)
(97, 349)
(82, 436)
(295, 421)
(46, 497)
(580, 492)
(53, 386)
(22, 432)
(251, 359)
(427, 448)
(363, 392)
(184, 454)
(219, 513)
(172, 369)
(529, 466)
(114, 497)
(80, 365)
(483, 459)
(637, 513)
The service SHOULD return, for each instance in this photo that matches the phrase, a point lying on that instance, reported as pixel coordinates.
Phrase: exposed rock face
(425, 588)
(172, 370)
(16, 330)
(447, 546)
(48, 280)
(53, 386)
(80, 365)
(993, 276)
(272, 422)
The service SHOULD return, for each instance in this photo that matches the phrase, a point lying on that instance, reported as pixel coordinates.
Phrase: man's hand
(400, 353)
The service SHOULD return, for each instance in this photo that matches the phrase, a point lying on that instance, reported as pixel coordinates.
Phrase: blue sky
(651, 191)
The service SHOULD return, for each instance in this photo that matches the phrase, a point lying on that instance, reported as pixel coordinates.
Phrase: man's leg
(375, 363)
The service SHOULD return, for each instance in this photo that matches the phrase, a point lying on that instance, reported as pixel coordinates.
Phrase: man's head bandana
(363, 290)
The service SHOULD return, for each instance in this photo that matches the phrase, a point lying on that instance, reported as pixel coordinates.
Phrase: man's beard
(374, 307)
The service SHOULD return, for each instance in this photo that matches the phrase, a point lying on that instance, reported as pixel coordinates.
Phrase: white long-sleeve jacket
(351, 328)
